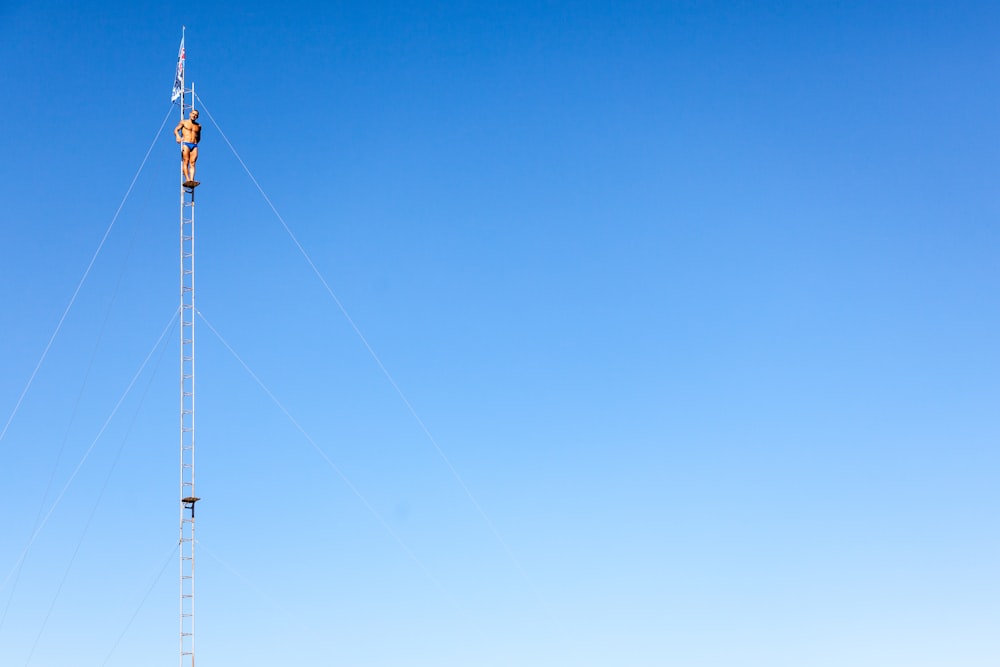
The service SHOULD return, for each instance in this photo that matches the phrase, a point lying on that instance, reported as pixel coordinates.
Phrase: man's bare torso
(190, 131)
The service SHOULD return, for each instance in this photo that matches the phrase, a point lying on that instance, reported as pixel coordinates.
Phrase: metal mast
(187, 492)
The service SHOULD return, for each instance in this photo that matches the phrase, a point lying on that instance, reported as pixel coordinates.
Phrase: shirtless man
(188, 134)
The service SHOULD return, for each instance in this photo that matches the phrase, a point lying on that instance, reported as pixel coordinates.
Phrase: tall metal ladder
(188, 497)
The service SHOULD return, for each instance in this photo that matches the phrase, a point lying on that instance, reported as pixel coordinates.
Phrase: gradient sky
(696, 301)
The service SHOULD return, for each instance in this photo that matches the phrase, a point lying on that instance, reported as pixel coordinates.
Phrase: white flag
(179, 77)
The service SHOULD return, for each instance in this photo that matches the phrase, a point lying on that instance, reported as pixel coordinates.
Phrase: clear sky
(698, 299)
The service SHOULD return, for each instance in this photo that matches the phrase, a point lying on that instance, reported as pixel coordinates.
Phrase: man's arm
(177, 131)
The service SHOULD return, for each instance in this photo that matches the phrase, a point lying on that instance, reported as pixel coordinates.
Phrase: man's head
(194, 114)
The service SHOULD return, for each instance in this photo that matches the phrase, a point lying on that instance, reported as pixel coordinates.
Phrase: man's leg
(192, 158)
(185, 158)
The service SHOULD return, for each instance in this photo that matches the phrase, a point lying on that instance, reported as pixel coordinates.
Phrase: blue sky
(698, 299)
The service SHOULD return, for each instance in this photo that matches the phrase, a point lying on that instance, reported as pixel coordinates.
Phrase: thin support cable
(79, 286)
(72, 418)
(86, 455)
(142, 602)
(93, 510)
(319, 450)
(262, 594)
(371, 351)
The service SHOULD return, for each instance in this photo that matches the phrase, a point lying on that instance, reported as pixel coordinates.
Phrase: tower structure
(188, 499)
